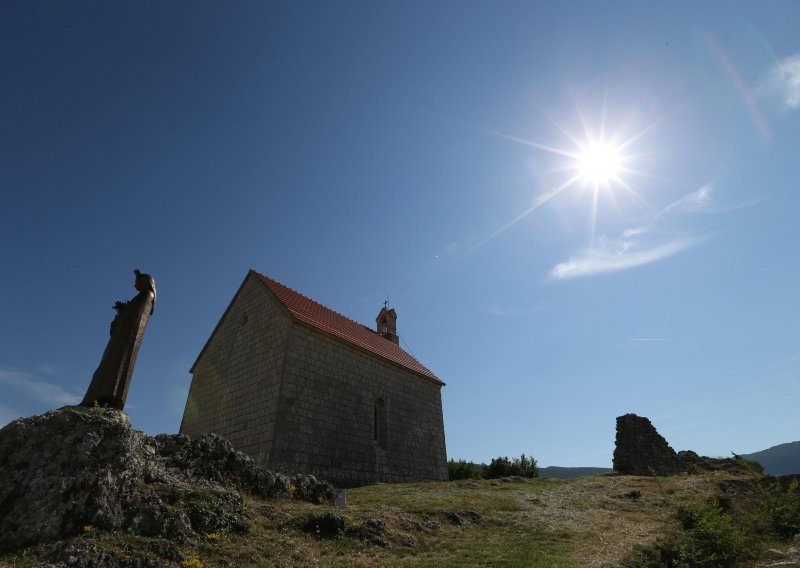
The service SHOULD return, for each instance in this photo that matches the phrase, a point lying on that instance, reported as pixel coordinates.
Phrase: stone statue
(112, 378)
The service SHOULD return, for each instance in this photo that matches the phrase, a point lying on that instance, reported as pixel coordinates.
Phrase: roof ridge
(305, 310)
(313, 301)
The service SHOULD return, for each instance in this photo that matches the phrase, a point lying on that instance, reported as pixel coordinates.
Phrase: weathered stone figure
(112, 378)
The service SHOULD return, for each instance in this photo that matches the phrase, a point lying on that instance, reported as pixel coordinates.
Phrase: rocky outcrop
(78, 469)
(641, 450)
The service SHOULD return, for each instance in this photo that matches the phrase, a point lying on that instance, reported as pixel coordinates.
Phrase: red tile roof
(316, 315)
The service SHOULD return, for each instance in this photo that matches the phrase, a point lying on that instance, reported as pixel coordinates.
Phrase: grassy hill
(589, 521)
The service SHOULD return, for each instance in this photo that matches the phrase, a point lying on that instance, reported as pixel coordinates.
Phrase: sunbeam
(538, 202)
(599, 160)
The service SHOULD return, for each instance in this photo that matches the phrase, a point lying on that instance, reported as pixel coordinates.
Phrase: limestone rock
(79, 469)
(774, 554)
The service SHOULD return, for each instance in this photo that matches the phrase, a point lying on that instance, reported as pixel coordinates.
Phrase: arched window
(379, 426)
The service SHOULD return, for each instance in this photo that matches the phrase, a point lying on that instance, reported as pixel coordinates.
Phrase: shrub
(217, 511)
(710, 538)
(503, 467)
(780, 508)
(499, 467)
(461, 469)
(325, 525)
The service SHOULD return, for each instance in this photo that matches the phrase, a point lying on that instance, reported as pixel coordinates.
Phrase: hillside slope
(80, 488)
(588, 521)
(783, 459)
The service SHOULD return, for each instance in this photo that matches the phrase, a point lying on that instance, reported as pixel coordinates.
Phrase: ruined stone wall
(236, 380)
(641, 450)
(325, 419)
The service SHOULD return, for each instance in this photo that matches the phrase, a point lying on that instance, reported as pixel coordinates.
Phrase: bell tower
(387, 324)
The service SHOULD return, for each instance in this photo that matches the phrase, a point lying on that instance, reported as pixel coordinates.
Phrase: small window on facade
(379, 426)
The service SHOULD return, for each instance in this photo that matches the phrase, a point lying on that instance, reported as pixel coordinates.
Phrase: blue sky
(428, 152)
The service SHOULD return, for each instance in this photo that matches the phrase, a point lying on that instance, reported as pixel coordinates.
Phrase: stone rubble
(788, 559)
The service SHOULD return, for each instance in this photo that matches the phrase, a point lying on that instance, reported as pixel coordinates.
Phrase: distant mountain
(567, 472)
(783, 459)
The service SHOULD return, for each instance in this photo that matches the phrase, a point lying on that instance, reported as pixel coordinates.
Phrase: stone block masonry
(327, 411)
(236, 380)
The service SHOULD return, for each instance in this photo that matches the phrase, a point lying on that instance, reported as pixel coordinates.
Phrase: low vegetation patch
(462, 469)
(325, 526)
(522, 466)
(217, 511)
(731, 528)
(778, 508)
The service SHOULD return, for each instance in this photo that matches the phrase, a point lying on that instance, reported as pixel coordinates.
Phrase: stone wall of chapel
(236, 381)
(325, 415)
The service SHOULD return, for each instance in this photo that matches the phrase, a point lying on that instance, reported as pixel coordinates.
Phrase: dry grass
(591, 521)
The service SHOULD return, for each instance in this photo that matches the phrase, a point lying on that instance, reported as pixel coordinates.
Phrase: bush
(217, 511)
(462, 469)
(503, 467)
(325, 525)
(780, 509)
(710, 538)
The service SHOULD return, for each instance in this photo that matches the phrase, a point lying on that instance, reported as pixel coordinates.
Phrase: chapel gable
(304, 389)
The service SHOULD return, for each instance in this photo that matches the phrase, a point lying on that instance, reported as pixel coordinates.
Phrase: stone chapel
(301, 388)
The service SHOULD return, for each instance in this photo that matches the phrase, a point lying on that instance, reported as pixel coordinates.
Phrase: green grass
(591, 521)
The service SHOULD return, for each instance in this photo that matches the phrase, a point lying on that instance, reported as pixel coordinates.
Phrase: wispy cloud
(783, 81)
(695, 202)
(599, 260)
(31, 386)
(637, 246)
(647, 339)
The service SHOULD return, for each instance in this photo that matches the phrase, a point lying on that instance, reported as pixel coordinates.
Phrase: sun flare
(596, 161)
(599, 163)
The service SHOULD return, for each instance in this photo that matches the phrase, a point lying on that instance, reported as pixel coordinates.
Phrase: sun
(599, 163)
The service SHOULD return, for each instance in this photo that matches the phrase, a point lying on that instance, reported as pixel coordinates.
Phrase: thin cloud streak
(693, 202)
(593, 261)
(643, 245)
(38, 389)
(783, 81)
(647, 339)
